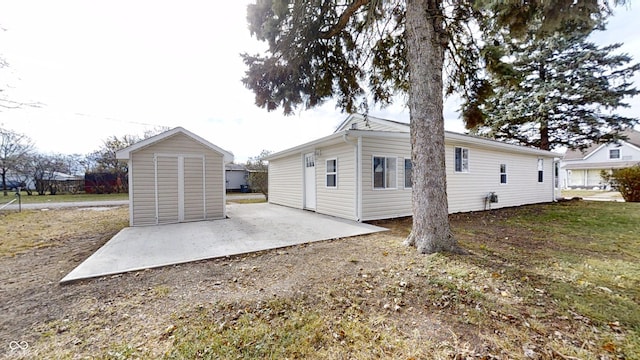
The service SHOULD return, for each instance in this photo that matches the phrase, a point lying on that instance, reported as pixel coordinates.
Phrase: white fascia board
(327, 140)
(125, 153)
(395, 124)
(449, 136)
(495, 144)
(594, 151)
(464, 139)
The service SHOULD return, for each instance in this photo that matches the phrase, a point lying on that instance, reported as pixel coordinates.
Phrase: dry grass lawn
(550, 281)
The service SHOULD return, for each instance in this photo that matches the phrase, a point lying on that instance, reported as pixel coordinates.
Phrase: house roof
(401, 126)
(235, 167)
(346, 135)
(125, 153)
(599, 165)
(633, 138)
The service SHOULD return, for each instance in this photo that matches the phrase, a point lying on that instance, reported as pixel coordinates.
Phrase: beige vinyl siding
(286, 181)
(167, 187)
(143, 192)
(341, 200)
(467, 191)
(215, 184)
(194, 189)
(385, 203)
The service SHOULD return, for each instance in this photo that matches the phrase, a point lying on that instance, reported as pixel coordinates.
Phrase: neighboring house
(66, 183)
(581, 169)
(63, 183)
(363, 172)
(175, 176)
(236, 176)
(15, 180)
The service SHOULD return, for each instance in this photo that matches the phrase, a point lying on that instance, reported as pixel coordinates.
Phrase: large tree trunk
(425, 56)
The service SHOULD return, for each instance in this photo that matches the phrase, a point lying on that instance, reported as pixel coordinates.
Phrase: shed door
(310, 181)
(180, 190)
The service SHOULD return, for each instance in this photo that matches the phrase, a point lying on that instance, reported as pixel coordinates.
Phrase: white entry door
(310, 181)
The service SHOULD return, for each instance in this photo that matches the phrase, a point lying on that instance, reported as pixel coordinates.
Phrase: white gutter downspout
(358, 194)
(555, 178)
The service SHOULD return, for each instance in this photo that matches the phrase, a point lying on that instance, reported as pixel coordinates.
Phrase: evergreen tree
(356, 50)
(560, 90)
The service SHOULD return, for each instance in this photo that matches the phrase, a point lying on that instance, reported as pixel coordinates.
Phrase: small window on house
(332, 173)
(461, 159)
(384, 172)
(540, 170)
(503, 173)
(614, 153)
(407, 173)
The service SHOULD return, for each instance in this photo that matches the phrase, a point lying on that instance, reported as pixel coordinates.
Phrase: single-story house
(362, 172)
(175, 176)
(237, 176)
(581, 169)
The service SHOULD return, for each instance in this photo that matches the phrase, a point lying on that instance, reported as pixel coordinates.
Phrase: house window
(407, 173)
(503, 173)
(461, 159)
(614, 153)
(384, 172)
(332, 173)
(540, 170)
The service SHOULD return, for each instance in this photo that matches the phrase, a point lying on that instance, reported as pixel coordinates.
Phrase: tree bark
(425, 56)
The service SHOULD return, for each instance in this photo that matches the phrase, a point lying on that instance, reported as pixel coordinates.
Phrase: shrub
(626, 180)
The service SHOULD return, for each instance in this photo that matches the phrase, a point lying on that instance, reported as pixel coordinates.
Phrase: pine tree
(354, 51)
(561, 90)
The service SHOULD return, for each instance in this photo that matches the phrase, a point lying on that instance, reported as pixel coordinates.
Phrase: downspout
(555, 179)
(357, 146)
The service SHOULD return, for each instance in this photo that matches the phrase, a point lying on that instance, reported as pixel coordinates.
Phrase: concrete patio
(249, 228)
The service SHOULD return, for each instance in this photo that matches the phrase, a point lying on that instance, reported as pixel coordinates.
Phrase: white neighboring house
(236, 177)
(581, 169)
(362, 172)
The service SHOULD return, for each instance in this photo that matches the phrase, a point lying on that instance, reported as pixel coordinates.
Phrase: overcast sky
(104, 68)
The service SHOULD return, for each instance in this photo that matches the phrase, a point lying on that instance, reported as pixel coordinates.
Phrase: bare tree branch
(343, 20)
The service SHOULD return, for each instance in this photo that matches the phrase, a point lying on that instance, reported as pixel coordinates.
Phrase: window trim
(405, 173)
(503, 174)
(328, 173)
(462, 170)
(384, 177)
(619, 154)
(540, 170)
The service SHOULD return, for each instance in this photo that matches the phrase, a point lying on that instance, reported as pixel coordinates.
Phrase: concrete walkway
(249, 228)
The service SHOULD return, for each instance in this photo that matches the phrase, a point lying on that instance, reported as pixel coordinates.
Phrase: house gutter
(358, 189)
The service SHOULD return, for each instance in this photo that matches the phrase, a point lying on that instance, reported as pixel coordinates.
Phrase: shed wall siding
(341, 200)
(194, 195)
(143, 196)
(286, 181)
(167, 190)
